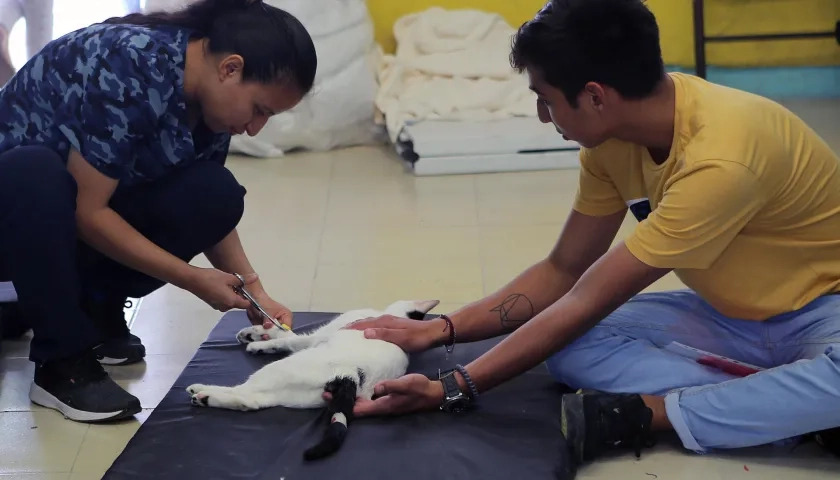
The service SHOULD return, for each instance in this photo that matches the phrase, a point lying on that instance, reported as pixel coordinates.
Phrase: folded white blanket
(451, 65)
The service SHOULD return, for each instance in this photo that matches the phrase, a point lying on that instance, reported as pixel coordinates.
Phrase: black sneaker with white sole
(120, 346)
(81, 390)
(120, 351)
(595, 423)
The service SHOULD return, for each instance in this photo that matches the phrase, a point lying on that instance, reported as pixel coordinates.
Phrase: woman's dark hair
(273, 43)
(572, 42)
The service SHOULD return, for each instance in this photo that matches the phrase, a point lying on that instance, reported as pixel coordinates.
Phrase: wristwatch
(454, 400)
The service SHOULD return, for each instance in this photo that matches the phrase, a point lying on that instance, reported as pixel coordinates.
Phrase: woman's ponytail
(198, 16)
(273, 43)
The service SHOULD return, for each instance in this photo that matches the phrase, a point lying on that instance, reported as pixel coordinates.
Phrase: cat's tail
(343, 390)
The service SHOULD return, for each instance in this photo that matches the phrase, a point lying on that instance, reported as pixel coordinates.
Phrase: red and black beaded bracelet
(451, 345)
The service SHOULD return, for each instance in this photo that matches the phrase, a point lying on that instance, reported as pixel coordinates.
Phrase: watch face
(456, 405)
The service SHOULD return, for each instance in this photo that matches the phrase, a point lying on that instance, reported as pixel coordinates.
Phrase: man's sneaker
(829, 440)
(594, 423)
(120, 347)
(79, 388)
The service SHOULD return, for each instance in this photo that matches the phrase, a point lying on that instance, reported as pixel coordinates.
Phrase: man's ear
(596, 96)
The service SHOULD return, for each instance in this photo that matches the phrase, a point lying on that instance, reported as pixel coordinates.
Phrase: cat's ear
(425, 306)
(413, 309)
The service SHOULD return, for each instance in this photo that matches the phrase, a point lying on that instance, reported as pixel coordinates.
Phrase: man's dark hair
(572, 42)
(273, 43)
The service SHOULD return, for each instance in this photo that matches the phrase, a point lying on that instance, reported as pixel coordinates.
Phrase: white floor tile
(38, 442)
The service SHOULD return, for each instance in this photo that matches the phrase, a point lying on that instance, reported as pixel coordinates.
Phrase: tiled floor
(351, 228)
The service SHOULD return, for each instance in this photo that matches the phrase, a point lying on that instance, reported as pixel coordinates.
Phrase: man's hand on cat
(276, 309)
(407, 394)
(410, 335)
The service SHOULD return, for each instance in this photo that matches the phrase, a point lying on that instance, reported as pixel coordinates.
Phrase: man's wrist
(438, 392)
(465, 382)
(462, 384)
(438, 332)
(443, 331)
(455, 393)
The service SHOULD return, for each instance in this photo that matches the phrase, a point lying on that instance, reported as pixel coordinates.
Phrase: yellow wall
(729, 17)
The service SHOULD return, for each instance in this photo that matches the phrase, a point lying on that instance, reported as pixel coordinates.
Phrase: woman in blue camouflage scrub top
(113, 142)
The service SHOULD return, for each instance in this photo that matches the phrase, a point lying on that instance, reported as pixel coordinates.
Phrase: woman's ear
(230, 67)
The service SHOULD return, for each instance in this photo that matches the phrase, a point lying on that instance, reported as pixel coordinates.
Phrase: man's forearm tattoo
(514, 311)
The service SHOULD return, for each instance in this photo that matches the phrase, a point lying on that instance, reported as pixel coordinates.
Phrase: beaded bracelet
(468, 380)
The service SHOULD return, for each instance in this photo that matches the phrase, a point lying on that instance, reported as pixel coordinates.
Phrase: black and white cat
(340, 361)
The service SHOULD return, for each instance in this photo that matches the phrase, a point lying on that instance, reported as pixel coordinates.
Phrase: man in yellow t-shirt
(732, 192)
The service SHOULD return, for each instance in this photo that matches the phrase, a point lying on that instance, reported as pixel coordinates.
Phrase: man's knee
(562, 369)
(581, 364)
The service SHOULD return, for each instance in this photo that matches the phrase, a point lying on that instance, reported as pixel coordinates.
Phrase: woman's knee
(203, 195)
(32, 162)
(223, 201)
(187, 211)
(36, 175)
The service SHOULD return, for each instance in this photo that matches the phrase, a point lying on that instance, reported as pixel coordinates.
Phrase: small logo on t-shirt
(640, 208)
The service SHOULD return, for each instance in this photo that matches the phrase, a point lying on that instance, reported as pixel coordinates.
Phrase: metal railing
(701, 39)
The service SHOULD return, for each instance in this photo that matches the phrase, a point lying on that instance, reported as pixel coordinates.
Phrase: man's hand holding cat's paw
(407, 394)
(411, 335)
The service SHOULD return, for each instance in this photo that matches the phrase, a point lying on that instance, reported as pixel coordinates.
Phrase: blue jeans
(710, 409)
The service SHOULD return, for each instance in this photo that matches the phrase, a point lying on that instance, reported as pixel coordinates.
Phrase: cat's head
(413, 309)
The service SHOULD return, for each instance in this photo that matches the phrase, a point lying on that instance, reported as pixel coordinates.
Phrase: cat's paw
(221, 397)
(256, 333)
(267, 347)
(197, 395)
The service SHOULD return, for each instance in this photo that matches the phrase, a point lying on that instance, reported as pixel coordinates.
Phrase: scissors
(241, 291)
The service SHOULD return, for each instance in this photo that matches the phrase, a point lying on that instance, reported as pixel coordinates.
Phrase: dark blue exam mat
(514, 434)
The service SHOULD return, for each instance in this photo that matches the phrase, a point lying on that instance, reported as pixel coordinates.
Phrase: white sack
(340, 109)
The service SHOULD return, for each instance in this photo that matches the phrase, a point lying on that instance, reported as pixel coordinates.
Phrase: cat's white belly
(328, 357)
(298, 381)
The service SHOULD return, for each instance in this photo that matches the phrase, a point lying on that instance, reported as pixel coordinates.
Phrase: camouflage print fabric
(115, 93)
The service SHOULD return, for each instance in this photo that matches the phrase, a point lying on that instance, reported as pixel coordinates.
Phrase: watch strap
(450, 385)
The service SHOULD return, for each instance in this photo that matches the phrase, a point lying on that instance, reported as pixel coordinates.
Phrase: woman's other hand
(215, 288)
